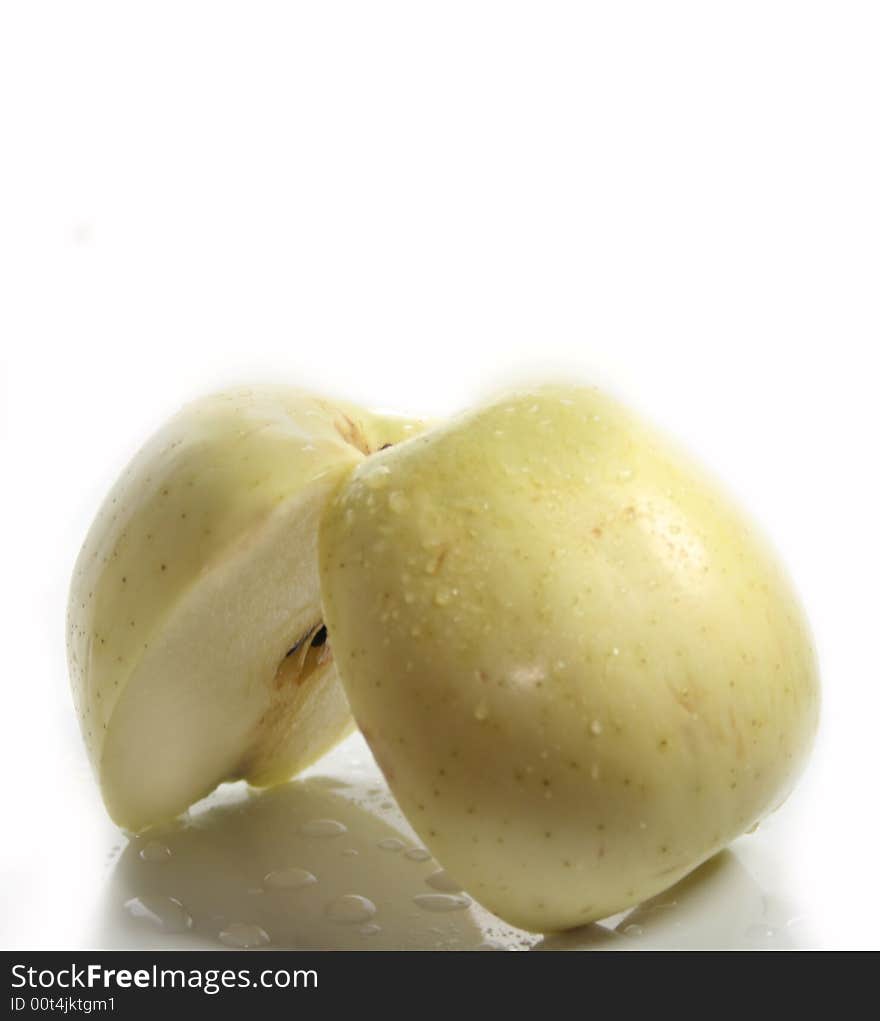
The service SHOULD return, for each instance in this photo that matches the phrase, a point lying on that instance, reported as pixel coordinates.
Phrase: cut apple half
(197, 648)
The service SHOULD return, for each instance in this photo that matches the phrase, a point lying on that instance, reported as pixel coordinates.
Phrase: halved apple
(196, 644)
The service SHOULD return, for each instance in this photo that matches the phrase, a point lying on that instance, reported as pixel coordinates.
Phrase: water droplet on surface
(370, 929)
(350, 852)
(398, 502)
(481, 710)
(391, 844)
(443, 596)
(596, 728)
(244, 936)
(165, 913)
(760, 931)
(350, 909)
(155, 851)
(323, 828)
(633, 930)
(441, 902)
(441, 880)
(417, 854)
(289, 879)
(754, 827)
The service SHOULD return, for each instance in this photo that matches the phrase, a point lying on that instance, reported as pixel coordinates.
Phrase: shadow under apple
(718, 906)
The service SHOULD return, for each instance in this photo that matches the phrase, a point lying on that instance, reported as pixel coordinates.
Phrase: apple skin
(580, 669)
(196, 578)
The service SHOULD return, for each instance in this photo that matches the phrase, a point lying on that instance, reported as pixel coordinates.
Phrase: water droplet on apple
(350, 908)
(417, 854)
(596, 728)
(441, 880)
(378, 477)
(244, 936)
(481, 710)
(391, 844)
(323, 828)
(442, 902)
(633, 930)
(289, 879)
(398, 502)
(370, 929)
(443, 596)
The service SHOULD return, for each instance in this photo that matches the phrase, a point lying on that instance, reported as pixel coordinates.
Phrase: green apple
(579, 667)
(195, 636)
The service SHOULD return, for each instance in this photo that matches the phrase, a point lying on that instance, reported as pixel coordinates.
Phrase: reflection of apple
(195, 637)
(580, 670)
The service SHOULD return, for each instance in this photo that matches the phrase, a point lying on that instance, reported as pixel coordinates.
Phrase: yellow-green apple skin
(580, 669)
(196, 579)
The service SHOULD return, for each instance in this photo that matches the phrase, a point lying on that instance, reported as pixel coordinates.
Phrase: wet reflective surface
(328, 862)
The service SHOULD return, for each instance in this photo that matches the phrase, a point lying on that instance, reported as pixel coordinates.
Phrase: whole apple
(579, 667)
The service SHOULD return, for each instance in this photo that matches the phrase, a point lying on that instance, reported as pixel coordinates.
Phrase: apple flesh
(195, 637)
(579, 668)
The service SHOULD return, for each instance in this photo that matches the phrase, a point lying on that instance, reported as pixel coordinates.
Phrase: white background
(408, 204)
